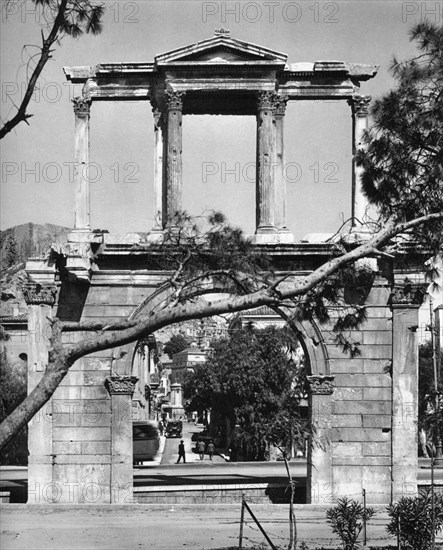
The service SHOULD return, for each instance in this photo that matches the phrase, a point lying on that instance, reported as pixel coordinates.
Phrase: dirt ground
(164, 527)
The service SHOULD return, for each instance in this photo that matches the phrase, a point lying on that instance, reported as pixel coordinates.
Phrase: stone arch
(319, 471)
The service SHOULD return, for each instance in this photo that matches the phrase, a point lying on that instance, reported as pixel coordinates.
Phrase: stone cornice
(82, 107)
(121, 385)
(321, 384)
(36, 294)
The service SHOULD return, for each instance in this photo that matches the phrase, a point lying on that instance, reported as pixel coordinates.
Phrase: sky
(37, 184)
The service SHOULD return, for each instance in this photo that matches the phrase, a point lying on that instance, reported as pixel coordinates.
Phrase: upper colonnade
(219, 76)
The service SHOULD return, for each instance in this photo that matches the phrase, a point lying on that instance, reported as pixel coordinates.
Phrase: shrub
(346, 519)
(413, 515)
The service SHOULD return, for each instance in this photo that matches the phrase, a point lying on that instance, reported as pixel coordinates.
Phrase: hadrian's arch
(359, 401)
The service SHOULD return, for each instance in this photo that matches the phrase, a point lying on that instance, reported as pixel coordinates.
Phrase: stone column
(266, 231)
(40, 442)
(320, 487)
(82, 109)
(360, 121)
(279, 179)
(172, 188)
(121, 389)
(158, 172)
(405, 303)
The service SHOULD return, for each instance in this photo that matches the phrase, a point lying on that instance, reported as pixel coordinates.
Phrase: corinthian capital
(321, 385)
(36, 294)
(267, 100)
(280, 105)
(360, 105)
(174, 100)
(121, 385)
(82, 106)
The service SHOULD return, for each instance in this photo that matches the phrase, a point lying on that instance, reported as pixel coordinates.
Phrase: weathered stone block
(361, 461)
(95, 447)
(378, 337)
(375, 352)
(106, 311)
(347, 394)
(376, 366)
(82, 434)
(377, 323)
(376, 480)
(94, 378)
(379, 394)
(346, 421)
(82, 459)
(363, 380)
(364, 407)
(360, 434)
(67, 447)
(378, 312)
(97, 363)
(341, 449)
(347, 366)
(80, 418)
(377, 448)
(377, 421)
(379, 296)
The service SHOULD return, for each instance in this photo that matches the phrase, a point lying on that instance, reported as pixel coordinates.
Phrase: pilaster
(405, 303)
(40, 300)
(320, 489)
(121, 390)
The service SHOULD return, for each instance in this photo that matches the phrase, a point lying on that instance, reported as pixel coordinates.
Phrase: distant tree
(11, 253)
(175, 344)
(62, 18)
(251, 379)
(430, 418)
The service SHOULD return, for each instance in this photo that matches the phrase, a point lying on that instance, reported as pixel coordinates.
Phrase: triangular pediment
(221, 50)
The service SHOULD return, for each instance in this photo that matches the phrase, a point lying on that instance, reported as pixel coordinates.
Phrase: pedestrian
(181, 452)
(211, 449)
(201, 449)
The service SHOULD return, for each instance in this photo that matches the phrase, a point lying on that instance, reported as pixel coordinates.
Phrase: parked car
(145, 441)
(174, 428)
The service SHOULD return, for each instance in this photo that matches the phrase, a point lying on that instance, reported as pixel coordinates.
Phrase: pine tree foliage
(403, 164)
(61, 18)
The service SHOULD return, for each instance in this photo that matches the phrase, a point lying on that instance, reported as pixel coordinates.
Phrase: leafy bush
(346, 519)
(413, 515)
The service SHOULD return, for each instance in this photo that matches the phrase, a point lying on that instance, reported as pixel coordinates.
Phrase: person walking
(201, 449)
(181, 452)
(211, 449)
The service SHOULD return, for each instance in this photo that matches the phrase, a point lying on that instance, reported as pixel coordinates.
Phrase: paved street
(170, 452)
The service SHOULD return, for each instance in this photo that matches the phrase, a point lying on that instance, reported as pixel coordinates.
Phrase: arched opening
(315, 460)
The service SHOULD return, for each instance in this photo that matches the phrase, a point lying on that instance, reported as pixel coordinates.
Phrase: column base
(266, 235)
(285, 236)
(155, 236)
(84, 236)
